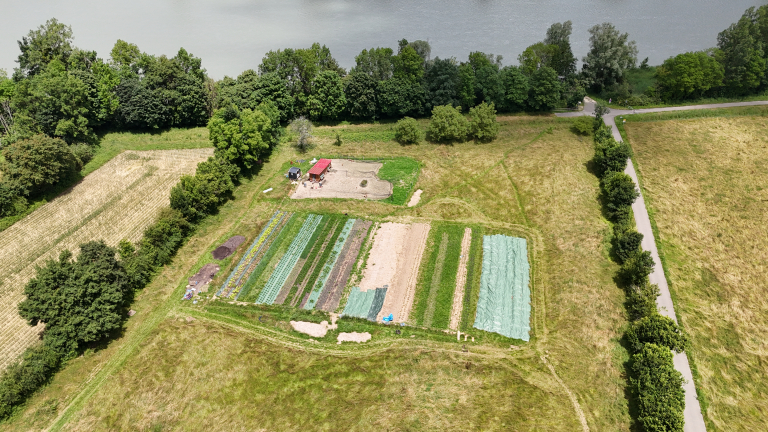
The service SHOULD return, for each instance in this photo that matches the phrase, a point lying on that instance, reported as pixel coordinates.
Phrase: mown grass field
(229, 369)
(705, 181)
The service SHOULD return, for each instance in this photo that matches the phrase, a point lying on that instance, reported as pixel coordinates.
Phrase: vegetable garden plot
(329, 264)
(504, 305)
(331, 296)
(319, 256)
(231, 286)
(288, 261)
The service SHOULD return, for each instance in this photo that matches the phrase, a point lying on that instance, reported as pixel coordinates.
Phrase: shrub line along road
(694, 420)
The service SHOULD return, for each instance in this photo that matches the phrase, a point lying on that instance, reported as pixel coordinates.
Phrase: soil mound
(228, 247)
(204, 277)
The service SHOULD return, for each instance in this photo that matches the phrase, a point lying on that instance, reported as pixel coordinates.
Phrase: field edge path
(694, 418)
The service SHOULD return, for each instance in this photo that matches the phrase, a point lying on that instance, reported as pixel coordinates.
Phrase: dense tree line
(656, 385)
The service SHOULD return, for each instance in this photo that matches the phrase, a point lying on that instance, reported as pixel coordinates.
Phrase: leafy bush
(240, 137)
(407, 131)
(200, 195)
(83, 153)
(636, 268)
(583, 125)
(627, 243)
(482, 122)
(659, 390)
(610, 155)
(656, 329)
(641, 300)
(31, 166)
(20, 380)
(447, 125)
(619, 189)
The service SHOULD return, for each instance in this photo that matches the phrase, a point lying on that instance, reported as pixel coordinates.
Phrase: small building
(294, 173)
(318, 171)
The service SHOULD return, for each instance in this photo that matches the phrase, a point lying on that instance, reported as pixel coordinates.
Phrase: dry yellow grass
(118, 201)
(706, 181)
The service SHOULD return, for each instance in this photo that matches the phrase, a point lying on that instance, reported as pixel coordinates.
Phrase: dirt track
(400, 294)
(343, 181)
(461, 280)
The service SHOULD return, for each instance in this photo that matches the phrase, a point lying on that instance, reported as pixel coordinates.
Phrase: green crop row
(311, 253)
(339, 224)
(472, 287)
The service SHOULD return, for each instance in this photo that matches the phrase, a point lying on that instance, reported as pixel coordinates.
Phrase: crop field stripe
(317, 265)
(331, 297)
(299, 270)
(253, 255)
(274, 247)
(258, 256)
(444, 299)
(285, 266)
(504, 305)
(472, 287)
(242, 260)
(461, 280)
(437, 276)
(309, 261)
(330, 263)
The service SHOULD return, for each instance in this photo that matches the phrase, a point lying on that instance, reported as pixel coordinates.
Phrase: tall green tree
(360, 90)
(51, 41)
(516, 88)
(376, 62)
(610, 55)
(689, 75)
(465, 91)
(742, 54)
(408, 64)
(562, 61)
(659, 390)
(201, 195)
(271, 88)
(536, 56)
(31, 166)
(545, 88)
(397, 98)
(327, 100)
(441, 81)
(80, 301)
(240, 137)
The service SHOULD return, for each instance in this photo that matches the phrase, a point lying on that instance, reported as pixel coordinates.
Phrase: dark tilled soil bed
(228, 247)
(204, 276)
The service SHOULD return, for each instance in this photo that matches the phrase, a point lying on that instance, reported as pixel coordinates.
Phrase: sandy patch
(415, 198)
(344, 180)
(381, 267)
(400, 293)
(461, 280)
(313, 329)
(353, 337)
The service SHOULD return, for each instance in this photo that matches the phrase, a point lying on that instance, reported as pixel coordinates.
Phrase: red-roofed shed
(317, 172)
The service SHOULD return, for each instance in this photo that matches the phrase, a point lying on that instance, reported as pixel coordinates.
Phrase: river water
(233, 35)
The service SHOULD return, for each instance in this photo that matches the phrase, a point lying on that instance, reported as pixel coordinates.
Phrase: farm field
(706, 185)
(118, 201)
(194, 367)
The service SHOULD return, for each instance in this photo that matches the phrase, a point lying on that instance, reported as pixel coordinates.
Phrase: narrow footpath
(694, 420)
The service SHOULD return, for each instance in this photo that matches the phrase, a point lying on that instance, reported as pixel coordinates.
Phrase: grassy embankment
(170, 374)
(705, 182)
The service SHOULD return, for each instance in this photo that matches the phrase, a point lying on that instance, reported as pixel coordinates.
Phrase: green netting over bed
(361, 304)
(504, 306)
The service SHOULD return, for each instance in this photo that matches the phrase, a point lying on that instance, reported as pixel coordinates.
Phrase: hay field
(117, 201)
(167, 374)
(706, 183)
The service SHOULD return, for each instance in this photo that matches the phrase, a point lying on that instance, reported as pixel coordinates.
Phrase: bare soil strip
(400, 294)
(337, 281)
(415, 198)
(435, 285)
(461, 280)
(117, 201)
(381, 268)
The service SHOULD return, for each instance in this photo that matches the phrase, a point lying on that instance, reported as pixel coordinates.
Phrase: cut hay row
(117, 201)
(461, 280)
(401, 292)
(504, 305)
(337, 281)
(285, 266)
(329, 264)
(237, 272)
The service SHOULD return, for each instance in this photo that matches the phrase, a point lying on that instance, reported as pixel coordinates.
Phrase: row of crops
(321, 262)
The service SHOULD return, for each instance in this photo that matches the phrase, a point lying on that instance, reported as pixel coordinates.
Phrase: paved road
(694, 420)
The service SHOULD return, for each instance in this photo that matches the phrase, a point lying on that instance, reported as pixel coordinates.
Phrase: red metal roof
(320, 166)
